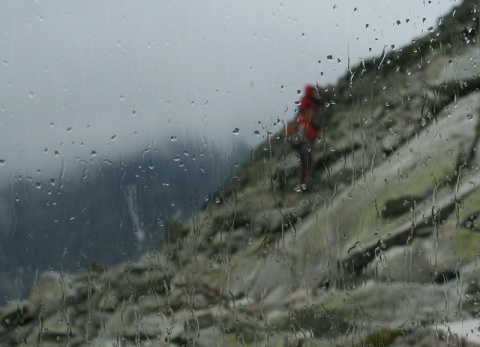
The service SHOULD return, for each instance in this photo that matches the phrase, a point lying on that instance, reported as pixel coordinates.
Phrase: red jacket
(307, 128)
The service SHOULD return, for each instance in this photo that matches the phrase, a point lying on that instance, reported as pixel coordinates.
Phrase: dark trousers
(305, 170)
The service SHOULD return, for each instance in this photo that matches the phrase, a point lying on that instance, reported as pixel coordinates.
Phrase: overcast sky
(112, 76)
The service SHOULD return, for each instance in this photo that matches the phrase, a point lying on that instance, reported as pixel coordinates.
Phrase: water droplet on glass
(173, 138)
(31, 94)
(236, 131)
(93, 153)
(470, 116)
(2, 161)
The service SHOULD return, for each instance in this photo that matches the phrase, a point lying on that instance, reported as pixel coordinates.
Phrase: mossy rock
(322, 323)
(381, 338)
(399, 206)
(467, 244)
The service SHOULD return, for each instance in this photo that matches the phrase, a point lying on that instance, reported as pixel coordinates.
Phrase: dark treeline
(67, 222)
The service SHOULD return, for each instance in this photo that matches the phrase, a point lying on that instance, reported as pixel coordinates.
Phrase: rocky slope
(383, 251)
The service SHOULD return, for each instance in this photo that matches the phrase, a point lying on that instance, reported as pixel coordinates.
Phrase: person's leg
(309, 166)
(303, 168)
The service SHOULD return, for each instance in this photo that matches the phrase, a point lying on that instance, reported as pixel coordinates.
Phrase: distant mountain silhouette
(109, 213)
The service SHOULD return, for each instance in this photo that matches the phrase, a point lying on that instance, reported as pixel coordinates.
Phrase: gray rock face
(382, 251)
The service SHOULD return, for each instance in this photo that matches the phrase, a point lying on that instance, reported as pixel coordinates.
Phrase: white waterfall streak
(132, 205)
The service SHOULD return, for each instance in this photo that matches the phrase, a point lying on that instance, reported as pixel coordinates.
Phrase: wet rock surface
(383, 250)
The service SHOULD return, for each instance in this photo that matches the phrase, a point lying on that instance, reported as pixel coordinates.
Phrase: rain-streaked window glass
(255, 173)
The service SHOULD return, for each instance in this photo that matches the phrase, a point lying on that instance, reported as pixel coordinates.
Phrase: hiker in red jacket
(302, 134)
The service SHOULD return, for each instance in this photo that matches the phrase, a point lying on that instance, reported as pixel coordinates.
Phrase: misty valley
(106, 212)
